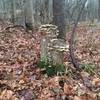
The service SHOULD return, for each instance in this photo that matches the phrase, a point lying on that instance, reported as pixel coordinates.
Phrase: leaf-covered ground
(21, 79)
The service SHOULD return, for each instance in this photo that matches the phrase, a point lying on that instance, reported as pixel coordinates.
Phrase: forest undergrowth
(21, 78)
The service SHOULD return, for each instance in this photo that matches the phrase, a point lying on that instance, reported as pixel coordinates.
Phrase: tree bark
(59, 18)
(29, 19)
(13, 8)
(98, 10)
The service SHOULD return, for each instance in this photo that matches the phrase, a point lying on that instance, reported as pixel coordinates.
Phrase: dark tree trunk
(59, 18)
(98, 10)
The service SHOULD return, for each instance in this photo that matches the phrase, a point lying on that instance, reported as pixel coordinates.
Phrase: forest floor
(21, 79)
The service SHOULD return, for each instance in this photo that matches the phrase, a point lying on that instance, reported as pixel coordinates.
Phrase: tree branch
(71, 45)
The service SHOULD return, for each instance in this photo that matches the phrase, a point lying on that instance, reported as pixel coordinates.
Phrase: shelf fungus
(52, 48)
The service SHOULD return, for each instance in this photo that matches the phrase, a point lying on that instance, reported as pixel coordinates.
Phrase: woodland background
(27, 27)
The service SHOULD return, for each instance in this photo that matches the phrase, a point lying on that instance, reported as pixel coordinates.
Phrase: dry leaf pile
(20, 79)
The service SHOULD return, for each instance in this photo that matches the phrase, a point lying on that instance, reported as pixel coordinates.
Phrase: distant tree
(29, 19)
(98, 10)
(20, 15)
(13, 12)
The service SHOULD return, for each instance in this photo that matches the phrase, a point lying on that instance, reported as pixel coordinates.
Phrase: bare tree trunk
(29, 19)
(98, 10)
(13, 8)
(59, 18)
(20, 16)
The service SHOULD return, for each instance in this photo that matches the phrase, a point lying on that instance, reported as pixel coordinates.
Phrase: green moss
(42, 64)
(50, 68)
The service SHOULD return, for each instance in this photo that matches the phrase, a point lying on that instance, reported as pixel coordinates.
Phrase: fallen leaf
(67, 89)
(77, 98)
(96, 81)
(6, 94)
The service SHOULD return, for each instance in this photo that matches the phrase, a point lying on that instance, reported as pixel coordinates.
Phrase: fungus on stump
(52, 48)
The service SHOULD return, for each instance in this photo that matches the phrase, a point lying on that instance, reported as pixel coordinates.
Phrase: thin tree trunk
(13, 8)
(71, 46)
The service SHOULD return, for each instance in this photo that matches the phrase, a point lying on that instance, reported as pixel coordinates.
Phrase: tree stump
(52, 48)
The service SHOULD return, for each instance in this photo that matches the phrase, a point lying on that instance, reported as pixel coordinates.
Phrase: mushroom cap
(59, 45)
(50, 29)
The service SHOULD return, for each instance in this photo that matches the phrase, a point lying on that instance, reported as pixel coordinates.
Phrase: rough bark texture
(98, 10)
(59, 18)
(29, 13)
